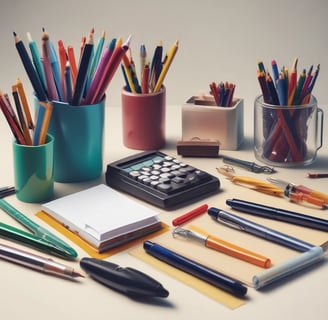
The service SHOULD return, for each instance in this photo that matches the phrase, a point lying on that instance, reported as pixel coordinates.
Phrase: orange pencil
(24, 102)
(62, 60)
(45, 121)
(72, 62)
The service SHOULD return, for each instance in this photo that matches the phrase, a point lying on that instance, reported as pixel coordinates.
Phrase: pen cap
(287, 136)
(78, 140)
(34, 171)
(143, 119)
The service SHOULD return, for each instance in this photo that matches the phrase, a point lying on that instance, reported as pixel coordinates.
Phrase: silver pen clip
(229, 223)
(189, 234)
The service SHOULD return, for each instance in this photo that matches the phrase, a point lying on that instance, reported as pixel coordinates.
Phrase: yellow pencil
(167, 62)
(45, 122)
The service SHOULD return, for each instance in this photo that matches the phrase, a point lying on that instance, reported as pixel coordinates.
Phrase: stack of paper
(103, 217)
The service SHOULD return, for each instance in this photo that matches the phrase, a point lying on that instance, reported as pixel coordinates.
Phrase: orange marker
(223, 246)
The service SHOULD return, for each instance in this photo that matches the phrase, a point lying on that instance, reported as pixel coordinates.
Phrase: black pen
(278, 214)
(196, 269)
(129, 281)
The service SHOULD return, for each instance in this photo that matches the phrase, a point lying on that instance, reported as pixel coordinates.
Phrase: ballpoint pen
(36, 262)
(25, 238)
(220, 245)
(289, 267)
(36, 229)
(291, 187)
(258, 230)
(196, 269)
(278, 214)
(129, 281)
(251, 166)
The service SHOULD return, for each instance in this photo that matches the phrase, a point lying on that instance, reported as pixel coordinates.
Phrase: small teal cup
(34, 171)
(78, 133)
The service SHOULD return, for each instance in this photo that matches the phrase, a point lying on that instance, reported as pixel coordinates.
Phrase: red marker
(190, 215)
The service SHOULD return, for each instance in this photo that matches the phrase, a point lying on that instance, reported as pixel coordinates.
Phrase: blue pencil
(29, 68)
(83, 71)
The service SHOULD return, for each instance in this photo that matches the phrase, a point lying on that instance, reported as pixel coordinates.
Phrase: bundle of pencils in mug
(152, 74)
(20, 121)
(285, 125)
(222, 93)
(60, 75)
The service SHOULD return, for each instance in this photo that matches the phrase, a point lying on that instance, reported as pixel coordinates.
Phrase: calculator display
(160, 179)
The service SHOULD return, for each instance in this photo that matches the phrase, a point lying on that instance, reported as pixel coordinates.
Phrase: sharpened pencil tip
(76, 274)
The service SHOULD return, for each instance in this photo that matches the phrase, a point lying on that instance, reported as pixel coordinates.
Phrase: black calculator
(160, 179)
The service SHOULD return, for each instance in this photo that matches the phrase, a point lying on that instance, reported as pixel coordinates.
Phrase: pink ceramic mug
(143, 117)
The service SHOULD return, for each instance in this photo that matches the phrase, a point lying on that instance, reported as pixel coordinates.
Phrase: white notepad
(103, 217)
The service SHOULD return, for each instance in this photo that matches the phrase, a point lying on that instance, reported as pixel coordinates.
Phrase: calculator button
(142, 177)
(165, 180)
(165, 187)
(147, 181)
(178, 180)
(167, 175)
(153, 177)
(134, 174)
(154, 183)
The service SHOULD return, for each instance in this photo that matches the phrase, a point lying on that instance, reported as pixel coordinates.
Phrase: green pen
(36, 229)
(12, 233)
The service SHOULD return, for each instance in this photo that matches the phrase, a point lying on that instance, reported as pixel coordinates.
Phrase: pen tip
(161, 292)
(77, 274)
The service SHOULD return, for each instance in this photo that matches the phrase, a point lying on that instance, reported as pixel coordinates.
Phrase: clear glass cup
(287, 136)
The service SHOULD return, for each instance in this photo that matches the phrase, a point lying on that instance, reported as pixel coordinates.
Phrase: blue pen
(258, 230)
(196, 269)
(56, 70)
(278, 214)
